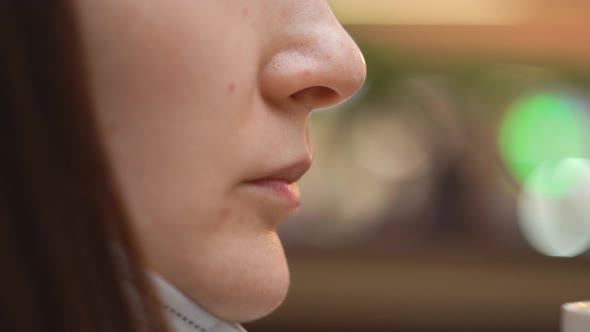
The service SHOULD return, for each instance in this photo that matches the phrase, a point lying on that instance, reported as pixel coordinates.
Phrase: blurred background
(453, 193)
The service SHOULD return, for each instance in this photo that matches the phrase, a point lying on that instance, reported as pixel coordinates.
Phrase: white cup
(575, 317)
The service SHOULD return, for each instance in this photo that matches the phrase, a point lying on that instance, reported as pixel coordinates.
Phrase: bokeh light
(557, 225)
(542, 129)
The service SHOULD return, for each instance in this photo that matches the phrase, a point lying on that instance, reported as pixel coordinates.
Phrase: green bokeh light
(544, 129)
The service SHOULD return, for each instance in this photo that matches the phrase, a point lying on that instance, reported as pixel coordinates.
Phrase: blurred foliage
(484, 77)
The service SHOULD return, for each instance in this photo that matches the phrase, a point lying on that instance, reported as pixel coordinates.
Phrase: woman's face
(204, 108)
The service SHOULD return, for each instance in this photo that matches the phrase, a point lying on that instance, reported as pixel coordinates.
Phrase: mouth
(283, 192)
(279, 184)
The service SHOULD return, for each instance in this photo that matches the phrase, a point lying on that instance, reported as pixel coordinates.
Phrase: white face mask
(185, 315)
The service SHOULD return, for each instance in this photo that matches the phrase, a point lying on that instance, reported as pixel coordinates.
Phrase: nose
(314, 63)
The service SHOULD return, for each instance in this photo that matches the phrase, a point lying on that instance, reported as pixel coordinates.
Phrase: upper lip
(289, 173)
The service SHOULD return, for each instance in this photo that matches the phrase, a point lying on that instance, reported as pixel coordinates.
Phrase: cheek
(171, 99)
(172, 63)
(176, 108)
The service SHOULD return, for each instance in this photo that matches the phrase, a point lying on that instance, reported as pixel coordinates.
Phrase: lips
(279, 184)
(289, 174)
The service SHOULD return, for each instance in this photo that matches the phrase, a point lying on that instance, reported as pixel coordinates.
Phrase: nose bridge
(317, 59)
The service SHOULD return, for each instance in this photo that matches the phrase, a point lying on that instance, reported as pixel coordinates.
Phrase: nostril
(316, 97)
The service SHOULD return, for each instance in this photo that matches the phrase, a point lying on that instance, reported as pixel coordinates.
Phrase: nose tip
(324, 68)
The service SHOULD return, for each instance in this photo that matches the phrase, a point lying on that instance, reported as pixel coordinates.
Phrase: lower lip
(279, 190)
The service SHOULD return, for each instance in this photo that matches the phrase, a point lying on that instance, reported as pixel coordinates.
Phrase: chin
(247, 280)
(253, 299)
(251, 305)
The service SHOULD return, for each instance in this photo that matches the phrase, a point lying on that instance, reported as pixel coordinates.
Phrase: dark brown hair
(68, 259)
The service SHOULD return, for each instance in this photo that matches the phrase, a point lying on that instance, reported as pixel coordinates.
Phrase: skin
(194, 98)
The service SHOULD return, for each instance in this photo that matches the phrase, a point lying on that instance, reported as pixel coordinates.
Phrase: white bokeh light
(557, 225)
